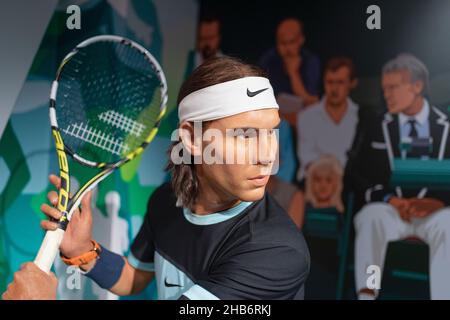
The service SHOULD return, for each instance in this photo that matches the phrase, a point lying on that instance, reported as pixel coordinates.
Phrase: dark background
(338, 27)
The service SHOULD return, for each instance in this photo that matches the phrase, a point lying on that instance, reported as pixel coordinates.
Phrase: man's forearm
(131, 281)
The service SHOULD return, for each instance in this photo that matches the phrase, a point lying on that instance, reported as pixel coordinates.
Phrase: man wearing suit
(394, 213)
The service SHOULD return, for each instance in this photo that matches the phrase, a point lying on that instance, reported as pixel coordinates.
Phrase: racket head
(107, 101)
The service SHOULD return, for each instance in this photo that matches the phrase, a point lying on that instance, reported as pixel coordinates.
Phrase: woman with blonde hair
(324, 184)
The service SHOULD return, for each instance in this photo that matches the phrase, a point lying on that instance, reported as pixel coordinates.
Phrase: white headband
(227, 99)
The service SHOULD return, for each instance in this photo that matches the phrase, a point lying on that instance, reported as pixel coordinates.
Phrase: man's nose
(267, 149)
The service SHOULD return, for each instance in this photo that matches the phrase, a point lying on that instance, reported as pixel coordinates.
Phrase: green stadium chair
(328, 223)
(406, 274)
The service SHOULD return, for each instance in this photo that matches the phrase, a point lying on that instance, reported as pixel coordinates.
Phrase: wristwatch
(84, 258)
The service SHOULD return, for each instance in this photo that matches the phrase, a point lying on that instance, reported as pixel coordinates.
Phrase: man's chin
(252, 195)
(394, 110)
(208, 53)
(336, 102)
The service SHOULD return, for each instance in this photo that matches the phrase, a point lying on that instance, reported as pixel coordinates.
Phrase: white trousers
(379, 223)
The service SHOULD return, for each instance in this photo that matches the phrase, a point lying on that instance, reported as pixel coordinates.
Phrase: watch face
(97, 247)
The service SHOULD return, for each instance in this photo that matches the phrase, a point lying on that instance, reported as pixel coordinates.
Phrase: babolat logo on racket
(63, 173)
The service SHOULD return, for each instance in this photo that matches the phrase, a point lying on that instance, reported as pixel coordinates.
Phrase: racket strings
(108, 101)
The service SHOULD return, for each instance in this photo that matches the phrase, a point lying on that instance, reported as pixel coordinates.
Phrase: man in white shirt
(328, 127)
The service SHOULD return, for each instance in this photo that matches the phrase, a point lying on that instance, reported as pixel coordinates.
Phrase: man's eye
(250, 135)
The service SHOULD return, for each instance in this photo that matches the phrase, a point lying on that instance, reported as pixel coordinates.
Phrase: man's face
(290, 39)
(208, 40)
(338, 85)
(399, 92)
(247, 179)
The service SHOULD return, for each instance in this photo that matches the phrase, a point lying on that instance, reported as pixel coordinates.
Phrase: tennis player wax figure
(212, 232)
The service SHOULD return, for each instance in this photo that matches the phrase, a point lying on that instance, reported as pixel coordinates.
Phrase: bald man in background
(292, 68)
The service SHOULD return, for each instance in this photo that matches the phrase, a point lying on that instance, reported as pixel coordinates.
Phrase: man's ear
(189, 139)
(418, 87)
(354, 83)
(302, 39)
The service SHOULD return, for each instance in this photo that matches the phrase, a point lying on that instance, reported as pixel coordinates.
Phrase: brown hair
(335, 63)
(212, 71)
(209, 18)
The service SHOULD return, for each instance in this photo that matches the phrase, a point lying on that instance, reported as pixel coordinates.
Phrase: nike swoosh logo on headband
(254, 93)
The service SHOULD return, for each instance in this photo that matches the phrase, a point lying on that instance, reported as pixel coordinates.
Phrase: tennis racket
(106, 104)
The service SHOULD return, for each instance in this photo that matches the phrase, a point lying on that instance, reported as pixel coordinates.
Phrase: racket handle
(49, 249)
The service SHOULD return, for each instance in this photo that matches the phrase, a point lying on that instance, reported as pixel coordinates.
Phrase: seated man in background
(292, 68)
(329, 126)
(207, 43)
(396, 213)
